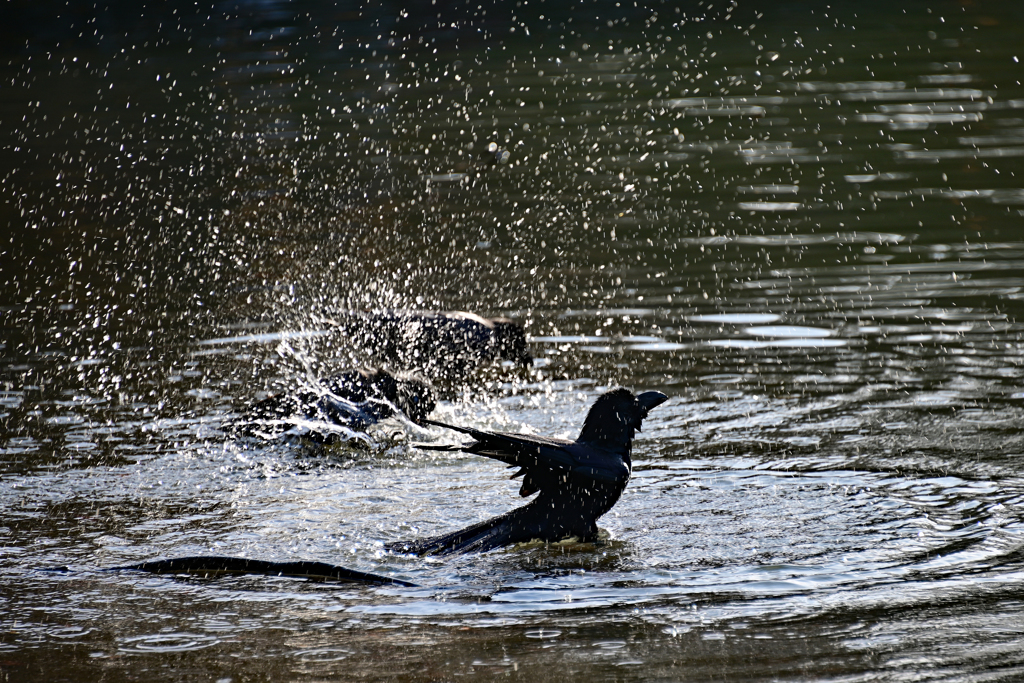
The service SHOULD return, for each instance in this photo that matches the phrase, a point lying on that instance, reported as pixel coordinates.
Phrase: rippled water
(803, 224)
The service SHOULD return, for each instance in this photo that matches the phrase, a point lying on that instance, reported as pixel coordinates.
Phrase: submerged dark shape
(578, 480)
(445, 346)
(216, 566)
(354, 399)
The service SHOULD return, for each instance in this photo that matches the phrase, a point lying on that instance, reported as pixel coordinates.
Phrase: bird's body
(354, 399)
(576, 481)
(444, 346)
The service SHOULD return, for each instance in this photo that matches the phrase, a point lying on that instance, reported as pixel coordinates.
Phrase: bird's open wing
(544, 459)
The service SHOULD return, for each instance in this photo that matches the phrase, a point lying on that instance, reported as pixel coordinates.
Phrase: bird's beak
(650, 399)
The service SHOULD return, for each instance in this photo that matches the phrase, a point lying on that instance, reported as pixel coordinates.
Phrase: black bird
(354, 399)
(445, 346)
(578, 481)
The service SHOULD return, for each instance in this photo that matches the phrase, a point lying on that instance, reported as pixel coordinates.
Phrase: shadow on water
(802, 223)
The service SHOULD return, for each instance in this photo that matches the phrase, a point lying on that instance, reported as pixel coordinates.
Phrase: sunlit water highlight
(803, 226)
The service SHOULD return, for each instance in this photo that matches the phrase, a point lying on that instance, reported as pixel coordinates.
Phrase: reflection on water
(801, 223)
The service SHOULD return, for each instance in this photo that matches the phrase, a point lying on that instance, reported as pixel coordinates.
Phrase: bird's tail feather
(481, 537)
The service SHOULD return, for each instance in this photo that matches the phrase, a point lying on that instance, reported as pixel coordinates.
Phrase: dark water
(804, 224)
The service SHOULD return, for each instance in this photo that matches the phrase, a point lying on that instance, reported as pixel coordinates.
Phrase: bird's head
(415, 398)
(373, 382)
(617, 415)
(511, 341)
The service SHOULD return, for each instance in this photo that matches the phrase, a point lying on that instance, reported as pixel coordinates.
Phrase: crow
(578, 481)
(444, 346)
(354, 399)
